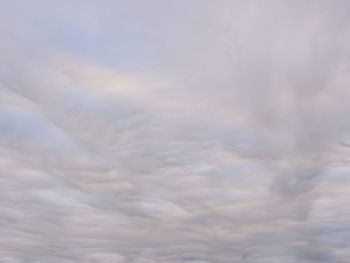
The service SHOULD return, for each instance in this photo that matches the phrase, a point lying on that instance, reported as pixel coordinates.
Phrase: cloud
(194, 131)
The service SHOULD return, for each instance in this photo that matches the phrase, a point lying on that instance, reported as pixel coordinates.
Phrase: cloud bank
(174, 131)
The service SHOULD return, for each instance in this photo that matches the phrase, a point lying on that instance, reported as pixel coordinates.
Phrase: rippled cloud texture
(150, 131)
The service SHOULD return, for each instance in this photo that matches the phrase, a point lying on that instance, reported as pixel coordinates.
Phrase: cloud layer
(174, 131)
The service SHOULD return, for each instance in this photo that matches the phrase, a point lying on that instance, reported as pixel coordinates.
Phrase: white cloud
(190, 131)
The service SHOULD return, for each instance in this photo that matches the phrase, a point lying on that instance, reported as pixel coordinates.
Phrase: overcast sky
(174, 131)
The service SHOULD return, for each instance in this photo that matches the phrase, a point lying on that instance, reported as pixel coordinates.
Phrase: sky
(188, 131)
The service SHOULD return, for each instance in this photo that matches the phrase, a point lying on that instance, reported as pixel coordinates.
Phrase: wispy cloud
(174, 131)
